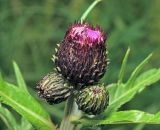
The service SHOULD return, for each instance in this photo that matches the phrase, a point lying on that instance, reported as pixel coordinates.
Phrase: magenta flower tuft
(81, 56)
(85, 34)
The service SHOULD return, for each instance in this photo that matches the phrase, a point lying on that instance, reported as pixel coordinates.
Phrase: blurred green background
(30, 30)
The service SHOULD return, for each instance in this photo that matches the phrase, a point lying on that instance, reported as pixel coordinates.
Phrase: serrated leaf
(19, 77)
(128, 95)
(8, 119)
(26, 105)
(123, 117)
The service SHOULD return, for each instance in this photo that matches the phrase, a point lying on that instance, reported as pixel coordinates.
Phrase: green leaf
(121, 74)
(123, 67)
(149, 79)
(123, 88)
(19, 77)
(123, 117)
(135, 73)
(21, 84)
(8, 119)
(26, 105)
(125, 92)
(112, 88)
(25, 125)
(144, 75)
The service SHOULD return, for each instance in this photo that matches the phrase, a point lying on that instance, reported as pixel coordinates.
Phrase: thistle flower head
(93, 100)
(81, 57)
(53, 88)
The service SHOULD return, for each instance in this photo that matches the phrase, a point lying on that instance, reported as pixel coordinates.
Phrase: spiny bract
(93, 100)
(53, 88)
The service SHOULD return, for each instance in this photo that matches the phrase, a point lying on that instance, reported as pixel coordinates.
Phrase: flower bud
(81, 56)
(93, 100)
(53, 88)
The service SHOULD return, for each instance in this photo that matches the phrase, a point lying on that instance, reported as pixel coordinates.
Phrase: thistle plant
(81, 60)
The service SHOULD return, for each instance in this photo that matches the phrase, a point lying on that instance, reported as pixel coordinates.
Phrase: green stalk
(71, 109)
(85, 14)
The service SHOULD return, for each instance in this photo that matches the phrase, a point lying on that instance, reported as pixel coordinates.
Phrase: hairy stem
(85, 14)
(71, 109)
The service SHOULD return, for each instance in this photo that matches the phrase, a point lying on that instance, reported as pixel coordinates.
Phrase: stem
(71, 109)
(85, 14)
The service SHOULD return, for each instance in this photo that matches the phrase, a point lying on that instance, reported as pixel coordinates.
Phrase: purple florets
(84, 33)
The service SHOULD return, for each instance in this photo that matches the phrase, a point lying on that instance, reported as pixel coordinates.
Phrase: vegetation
(29, 32)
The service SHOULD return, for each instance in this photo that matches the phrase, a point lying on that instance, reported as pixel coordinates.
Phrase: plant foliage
(19, 99)
(121, 93)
